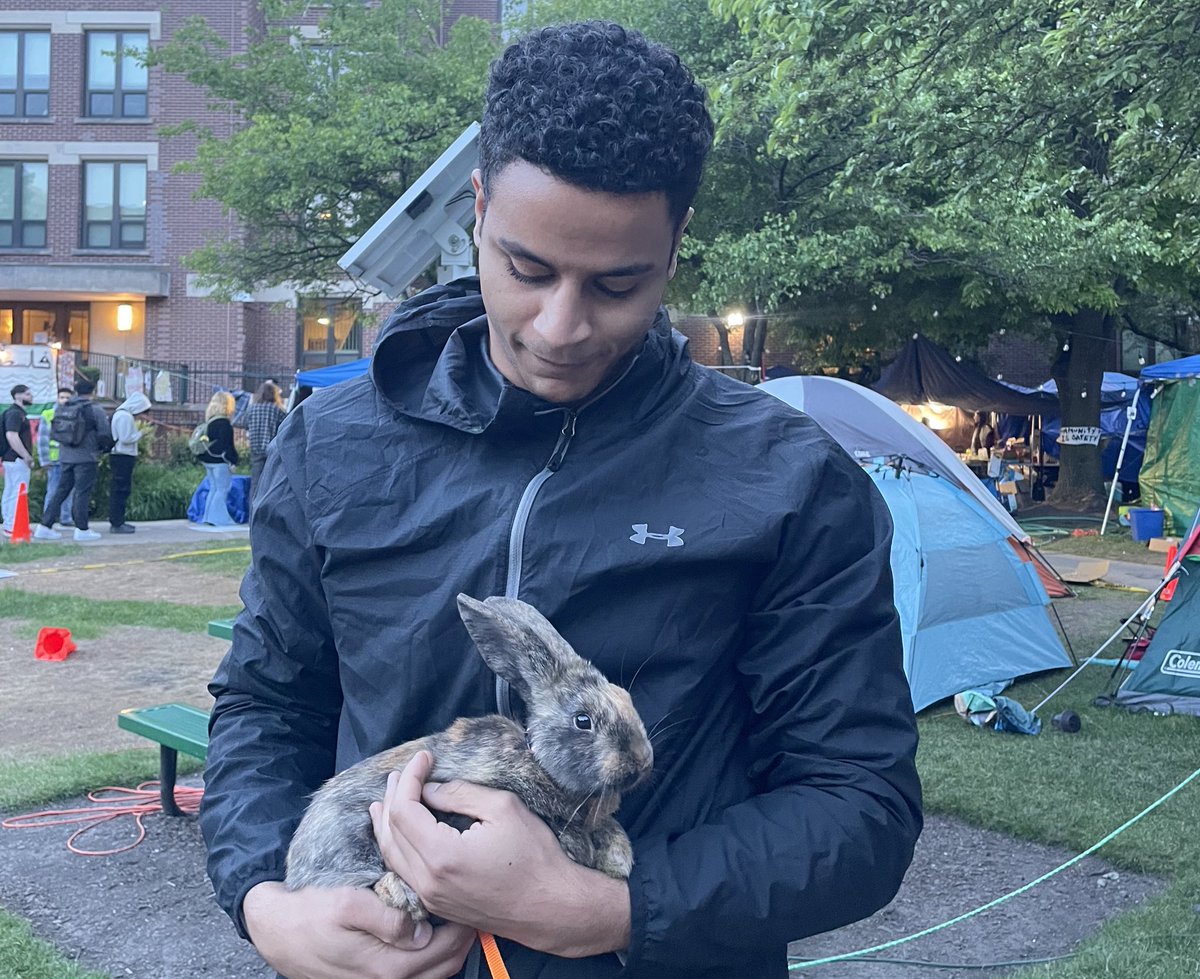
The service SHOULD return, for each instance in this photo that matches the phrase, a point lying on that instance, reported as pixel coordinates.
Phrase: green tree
(1025, 164)
(334, 130)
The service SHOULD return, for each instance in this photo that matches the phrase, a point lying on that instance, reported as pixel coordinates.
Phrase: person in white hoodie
(126, 436)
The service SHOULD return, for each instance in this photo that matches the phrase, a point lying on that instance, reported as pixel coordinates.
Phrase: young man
(125, 436)
(79, 463)
(47, 453)
(541, 433)
(18, 451)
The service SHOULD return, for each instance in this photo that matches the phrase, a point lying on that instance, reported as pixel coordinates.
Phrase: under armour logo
(673, 537)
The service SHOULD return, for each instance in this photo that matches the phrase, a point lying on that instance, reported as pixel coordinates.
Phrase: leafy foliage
(333, 131)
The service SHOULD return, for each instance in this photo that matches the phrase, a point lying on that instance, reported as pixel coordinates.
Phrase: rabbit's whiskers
(582, 802)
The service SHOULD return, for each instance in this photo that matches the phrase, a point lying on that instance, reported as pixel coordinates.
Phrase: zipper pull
(564, 439)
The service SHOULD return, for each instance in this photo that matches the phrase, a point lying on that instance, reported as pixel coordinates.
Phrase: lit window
(24, 73)
(117, 79)
(23, 191)
(114, 205)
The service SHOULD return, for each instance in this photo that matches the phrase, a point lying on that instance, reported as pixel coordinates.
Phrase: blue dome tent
(973, 607)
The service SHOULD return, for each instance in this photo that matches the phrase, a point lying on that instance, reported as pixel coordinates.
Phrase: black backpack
(71, 423)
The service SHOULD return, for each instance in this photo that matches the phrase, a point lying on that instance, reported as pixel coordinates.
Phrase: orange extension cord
(112, 802)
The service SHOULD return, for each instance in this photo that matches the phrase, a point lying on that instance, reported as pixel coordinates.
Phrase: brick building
(95, 223)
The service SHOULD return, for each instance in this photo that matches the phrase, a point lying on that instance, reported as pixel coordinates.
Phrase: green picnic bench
(176, 728)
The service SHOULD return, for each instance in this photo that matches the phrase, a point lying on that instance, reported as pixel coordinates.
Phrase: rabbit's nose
(643, 758)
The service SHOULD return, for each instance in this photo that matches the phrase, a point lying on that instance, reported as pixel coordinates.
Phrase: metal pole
(1130, 415)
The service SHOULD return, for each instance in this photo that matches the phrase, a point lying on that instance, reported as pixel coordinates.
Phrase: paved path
(157, 532)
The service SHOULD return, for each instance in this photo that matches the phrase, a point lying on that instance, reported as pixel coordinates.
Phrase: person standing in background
(47, 453)
(219, 460)
(18, 451)
(79, 460)
(126, 436)
(262, 422)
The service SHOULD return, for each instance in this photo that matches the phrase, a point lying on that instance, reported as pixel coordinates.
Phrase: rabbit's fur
(569, 775)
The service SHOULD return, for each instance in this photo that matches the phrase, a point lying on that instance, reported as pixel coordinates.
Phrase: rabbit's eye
(583, 722)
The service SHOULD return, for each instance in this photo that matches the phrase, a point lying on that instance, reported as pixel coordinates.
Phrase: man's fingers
(467, 799)
(363, 910)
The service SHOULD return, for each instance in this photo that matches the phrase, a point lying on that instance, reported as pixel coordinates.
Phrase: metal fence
(178, 382)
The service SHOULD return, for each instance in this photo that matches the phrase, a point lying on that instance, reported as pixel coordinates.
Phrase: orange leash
(491, 952)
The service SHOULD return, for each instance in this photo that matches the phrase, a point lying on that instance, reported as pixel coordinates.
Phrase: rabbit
(583, 746)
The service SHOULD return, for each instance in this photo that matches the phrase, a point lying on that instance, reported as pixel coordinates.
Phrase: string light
(1002, 331)
(1066, 346)
(1083, 394)
(999, 377)
(935, 314)
(873, 307)
(958, 359)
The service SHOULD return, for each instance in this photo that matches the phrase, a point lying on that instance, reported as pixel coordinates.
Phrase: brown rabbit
(584, 745)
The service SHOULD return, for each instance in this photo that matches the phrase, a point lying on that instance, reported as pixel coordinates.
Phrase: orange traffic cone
(20, 530)
(1168, 592)
(54, 644)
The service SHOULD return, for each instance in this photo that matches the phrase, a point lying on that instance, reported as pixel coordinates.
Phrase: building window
(330, 332)
(114, 205)
(23, 191)
(117, 79)
(24, 73)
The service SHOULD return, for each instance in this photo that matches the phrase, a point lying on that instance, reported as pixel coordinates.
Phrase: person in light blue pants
(219, 460)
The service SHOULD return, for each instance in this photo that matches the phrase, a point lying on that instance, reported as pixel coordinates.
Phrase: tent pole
(1130, 415)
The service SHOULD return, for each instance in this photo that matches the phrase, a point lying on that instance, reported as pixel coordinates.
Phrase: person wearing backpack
(18, 454)
(47, 453)
(219, 457)
(126, 436)
(82, 432)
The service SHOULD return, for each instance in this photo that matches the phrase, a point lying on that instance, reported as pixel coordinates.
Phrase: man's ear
(480, 204)
(674, 247)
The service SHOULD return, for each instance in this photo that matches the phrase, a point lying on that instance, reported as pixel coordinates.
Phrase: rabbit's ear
(516, 641)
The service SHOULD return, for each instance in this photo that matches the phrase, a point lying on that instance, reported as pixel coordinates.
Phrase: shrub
(159, 492)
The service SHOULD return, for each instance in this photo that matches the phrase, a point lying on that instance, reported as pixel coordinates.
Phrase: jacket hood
(135, 404)
(431, 362)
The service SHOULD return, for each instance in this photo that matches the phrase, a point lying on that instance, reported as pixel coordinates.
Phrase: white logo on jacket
(673, 537)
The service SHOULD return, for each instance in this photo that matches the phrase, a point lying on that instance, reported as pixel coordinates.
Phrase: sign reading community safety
(1082, 435)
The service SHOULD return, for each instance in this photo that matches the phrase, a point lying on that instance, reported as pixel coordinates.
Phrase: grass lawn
(20, 553)
(87, 618)
(1114, 547)
(1072, 790)
(231, 562)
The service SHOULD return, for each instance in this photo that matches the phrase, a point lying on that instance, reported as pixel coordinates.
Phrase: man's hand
(348, 933)
(507, 874)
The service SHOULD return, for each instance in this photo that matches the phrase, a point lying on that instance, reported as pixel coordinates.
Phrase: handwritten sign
(1081, 435)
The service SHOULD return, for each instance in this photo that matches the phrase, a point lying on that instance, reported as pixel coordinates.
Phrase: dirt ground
(149, 913)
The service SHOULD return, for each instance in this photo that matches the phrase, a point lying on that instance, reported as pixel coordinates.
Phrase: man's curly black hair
(599, 106)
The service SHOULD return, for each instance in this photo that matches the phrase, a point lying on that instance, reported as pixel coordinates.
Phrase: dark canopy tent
(924, 372)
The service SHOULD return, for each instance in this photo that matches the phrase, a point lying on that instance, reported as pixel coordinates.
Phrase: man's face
(24, 398)
(63, 397)
(571, 278)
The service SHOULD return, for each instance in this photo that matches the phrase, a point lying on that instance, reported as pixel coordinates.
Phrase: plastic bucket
(1145, 523)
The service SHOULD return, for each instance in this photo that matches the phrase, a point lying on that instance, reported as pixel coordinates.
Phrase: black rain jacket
(698, 540)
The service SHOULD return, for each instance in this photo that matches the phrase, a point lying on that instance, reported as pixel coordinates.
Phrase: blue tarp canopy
(322, 377)
(1173, 369)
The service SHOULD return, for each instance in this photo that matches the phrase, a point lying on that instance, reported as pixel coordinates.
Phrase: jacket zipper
(516, 537)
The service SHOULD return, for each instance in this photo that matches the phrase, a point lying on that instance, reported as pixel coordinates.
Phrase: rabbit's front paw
(397, 894)
(614, 854)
